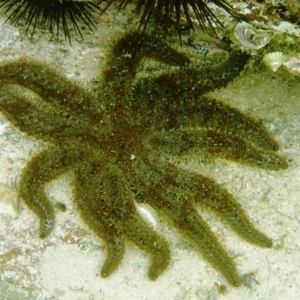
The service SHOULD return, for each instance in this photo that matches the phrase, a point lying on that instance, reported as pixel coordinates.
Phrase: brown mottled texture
(122, 143)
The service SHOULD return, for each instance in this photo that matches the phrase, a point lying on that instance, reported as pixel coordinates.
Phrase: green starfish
(122, 146)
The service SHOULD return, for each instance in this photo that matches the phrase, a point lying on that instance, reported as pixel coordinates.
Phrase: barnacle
(123, 143)
(274, 60)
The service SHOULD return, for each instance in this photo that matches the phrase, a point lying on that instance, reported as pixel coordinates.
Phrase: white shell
(147, 213)
(250, 37)
(274, 60)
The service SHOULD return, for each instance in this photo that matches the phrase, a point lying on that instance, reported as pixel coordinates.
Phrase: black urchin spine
(55, 15)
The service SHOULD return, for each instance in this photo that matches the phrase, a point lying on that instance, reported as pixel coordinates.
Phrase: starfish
(124, 142)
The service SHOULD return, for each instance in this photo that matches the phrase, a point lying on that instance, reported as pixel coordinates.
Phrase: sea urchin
(167, 10)
(56, 14)
(52, 14)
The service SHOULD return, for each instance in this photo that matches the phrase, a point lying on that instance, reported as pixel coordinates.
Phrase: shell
(250, 37)
(148, 214)
(274, 60)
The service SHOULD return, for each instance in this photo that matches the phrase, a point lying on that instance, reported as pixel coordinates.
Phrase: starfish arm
(32, 114)
(196, 189)
(43, 168)
(217, 199)
(177, 193)
(118, 196)
(138, 231)
(122, 66)
(50, 85)
(208, 113)
(115, 248)
(128, 52)
(214, 144)
(96, 213)
(193, 227)
(163, 96)
(197, 80)
(183, 216)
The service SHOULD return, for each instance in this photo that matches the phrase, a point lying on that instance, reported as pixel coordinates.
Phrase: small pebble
(8, 34)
